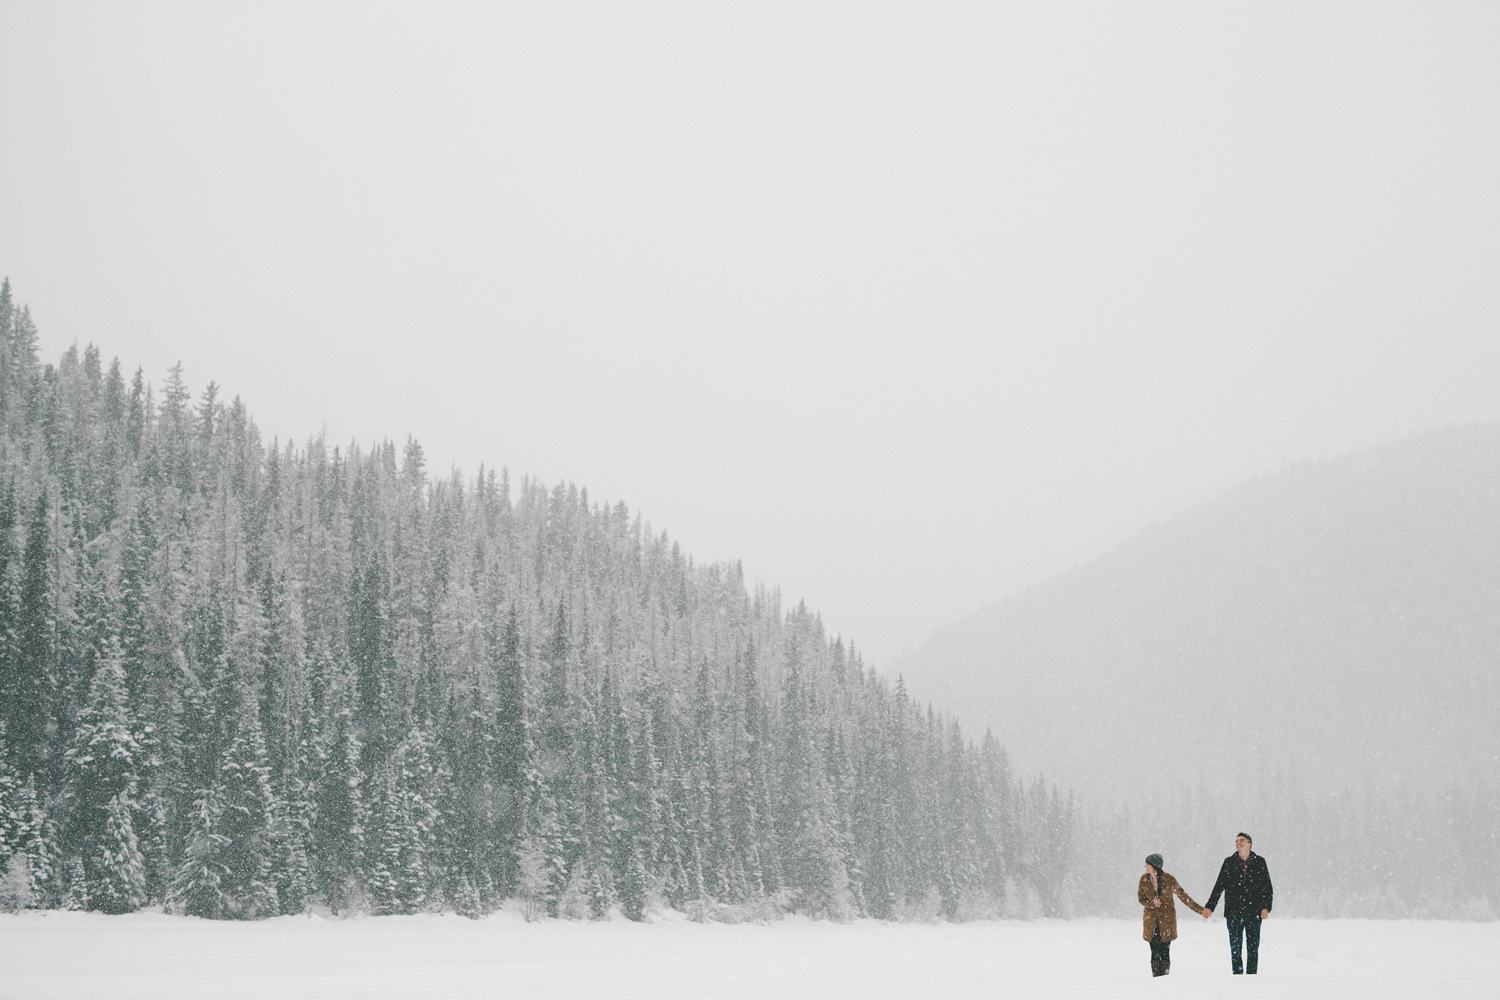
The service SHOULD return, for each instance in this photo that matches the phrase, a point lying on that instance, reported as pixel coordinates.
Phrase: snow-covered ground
(148, 955)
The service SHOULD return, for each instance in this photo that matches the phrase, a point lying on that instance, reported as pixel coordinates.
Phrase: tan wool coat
(1166, 913)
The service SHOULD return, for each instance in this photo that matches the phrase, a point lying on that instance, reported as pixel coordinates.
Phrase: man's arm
(1213, 899)
(1266, 889)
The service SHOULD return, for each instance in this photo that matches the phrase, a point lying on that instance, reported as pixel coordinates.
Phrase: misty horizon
(1022, 282)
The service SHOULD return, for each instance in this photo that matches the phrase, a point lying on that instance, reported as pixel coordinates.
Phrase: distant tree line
(240, 680)
(1392, 851)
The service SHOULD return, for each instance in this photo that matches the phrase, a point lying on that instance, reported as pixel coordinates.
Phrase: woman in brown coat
(1159, 926)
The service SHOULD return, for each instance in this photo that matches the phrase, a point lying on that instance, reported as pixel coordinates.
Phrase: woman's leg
(1158, 952)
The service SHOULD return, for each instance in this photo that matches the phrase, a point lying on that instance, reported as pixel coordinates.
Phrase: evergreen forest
(242, 678)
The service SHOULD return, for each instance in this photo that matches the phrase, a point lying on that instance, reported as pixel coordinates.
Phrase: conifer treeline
(1429, 851)
(242, 679)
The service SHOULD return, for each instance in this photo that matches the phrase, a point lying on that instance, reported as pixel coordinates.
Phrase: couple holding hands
(1245, 883)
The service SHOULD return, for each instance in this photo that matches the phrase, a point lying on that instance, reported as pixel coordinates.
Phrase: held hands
(1207, 913)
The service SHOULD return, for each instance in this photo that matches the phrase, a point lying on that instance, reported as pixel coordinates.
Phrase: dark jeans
(1161, 951)
(1249, 925)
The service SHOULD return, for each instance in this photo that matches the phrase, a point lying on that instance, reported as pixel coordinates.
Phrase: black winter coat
(1245, 892)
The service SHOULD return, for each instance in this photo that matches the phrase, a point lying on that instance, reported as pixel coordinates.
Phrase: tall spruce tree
(247, 885)
(197, 886)
(29, 720)
(514, 753)
(10, 600)
(102, 765)
(338, 833)
(116, 871)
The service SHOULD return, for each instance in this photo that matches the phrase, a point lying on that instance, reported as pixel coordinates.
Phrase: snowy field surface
(60, 954)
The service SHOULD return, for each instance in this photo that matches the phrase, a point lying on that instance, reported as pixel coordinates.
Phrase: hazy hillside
(1341, 616)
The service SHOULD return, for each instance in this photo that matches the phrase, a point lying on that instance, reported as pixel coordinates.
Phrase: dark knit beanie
(1154, 860)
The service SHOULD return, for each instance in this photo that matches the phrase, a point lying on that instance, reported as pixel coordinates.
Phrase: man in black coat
(1246, 883)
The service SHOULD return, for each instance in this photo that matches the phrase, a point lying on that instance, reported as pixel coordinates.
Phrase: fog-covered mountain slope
(1340, 616)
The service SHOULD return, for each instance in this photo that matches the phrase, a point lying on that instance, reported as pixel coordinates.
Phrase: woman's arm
(1182, 895)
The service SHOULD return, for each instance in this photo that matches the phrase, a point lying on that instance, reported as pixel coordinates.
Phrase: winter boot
(1166, 966)
(1156, 967)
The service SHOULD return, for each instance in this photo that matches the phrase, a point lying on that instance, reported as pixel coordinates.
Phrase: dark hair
(1242, 833)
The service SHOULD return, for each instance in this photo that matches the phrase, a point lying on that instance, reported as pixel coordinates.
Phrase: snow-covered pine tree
(385, 833)
(419, 785)
(469, 825)
(291, 832)
(247, 887)
(677, 859)
(401, 829)
(740, 824)
(707, 805)
(565, 722)
(102, 768)
(196, 889)
(760, 760)
(117, 873)
(514, 752)
(156, 815)
(557, 668)
(837, 803)
(31, 687)
(800, 831)
(535, 882)
(628, 804)
(284, 686)
(7, 321)
(593, 867)
(10, 598)
(135, 608)
(631, 881)
(15, 885)
(38, 842)
(176, 438)
(22, 371)
(961, 809)
(646, 814)
(996, 834)
(77, 895)
(369, 651)
(11, 785)
(338, 830)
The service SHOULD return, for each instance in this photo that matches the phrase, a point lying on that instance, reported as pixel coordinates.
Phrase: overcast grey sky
(907, 305)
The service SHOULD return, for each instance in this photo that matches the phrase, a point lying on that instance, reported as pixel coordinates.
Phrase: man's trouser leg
(1236, 924)
(1252, 944)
